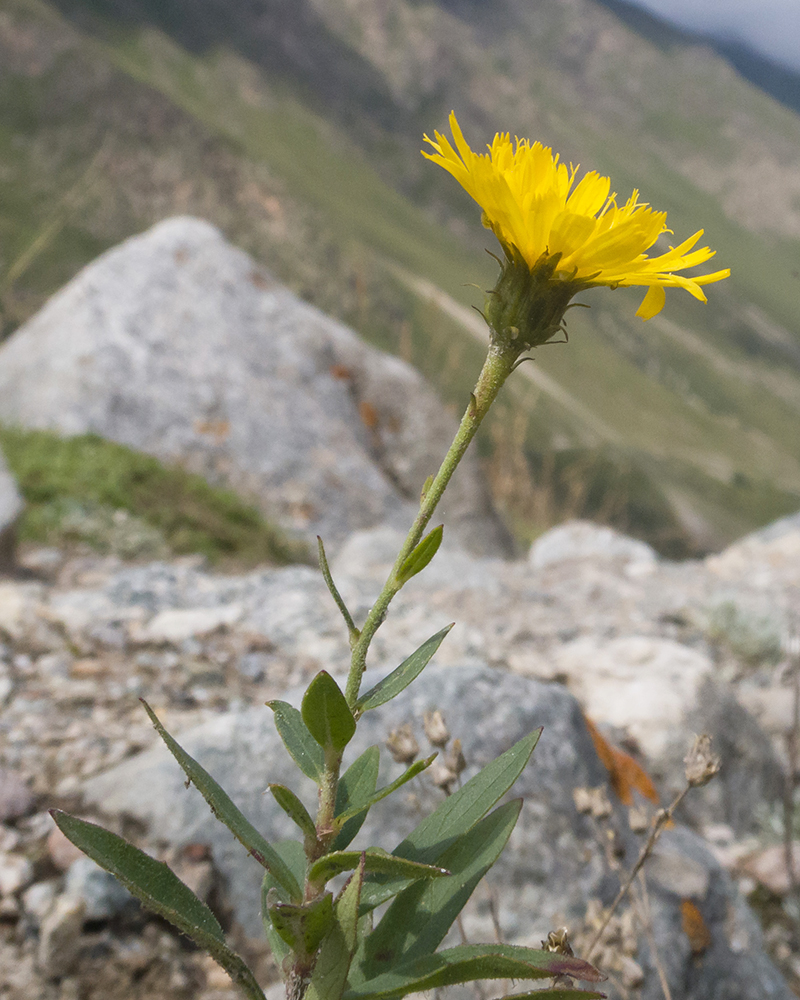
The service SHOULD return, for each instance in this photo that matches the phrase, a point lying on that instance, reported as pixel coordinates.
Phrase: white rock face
(10, 509)
(641, 684)
(584, 540)
(178, 344)
(10, 499)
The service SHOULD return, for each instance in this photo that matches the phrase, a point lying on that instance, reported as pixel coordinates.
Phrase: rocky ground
(653, 651)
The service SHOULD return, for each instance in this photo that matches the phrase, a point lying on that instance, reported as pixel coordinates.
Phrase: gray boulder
(178, 344)
(556, 862)
(10, 510)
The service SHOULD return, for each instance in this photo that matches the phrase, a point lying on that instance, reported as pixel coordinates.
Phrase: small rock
(102, 896)
(175, 625)
(581, 540)
(16, 872)
(16, 798)
(38, 899)
(768, 866)
(59, 940)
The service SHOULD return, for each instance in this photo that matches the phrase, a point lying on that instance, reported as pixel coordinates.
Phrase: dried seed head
(558, 942)
(455, 758)
(402, 744)
(435, 729)
(442, 777)
(701, 764)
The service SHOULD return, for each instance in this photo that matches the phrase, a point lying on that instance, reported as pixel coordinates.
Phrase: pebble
(16, 871)
(16, 797)
(60, 937)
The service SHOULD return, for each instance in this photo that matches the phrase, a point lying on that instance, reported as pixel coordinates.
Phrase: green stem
(498, 366)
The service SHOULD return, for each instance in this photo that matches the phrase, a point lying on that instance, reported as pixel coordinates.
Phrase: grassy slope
(210, 133)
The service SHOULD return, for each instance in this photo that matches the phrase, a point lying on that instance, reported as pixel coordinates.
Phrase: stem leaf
(376, 861)
(416, 768)
(421, 555)
(467, 963)
(223, 808)
(294, 809)
(303, 748)
(420, 916)
(401, 676)
(302, 927)
(326, 714)
(160, 890)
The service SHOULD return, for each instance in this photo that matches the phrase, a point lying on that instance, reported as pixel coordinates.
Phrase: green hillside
(296, 128)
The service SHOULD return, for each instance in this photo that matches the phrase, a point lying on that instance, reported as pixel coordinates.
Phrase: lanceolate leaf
(160, 890)
(461, 810)
(418, 919)
(355, 787)
(376, 861)
(468, 963)
(416, 768)
(402, 676)
(294, 809)
(326, 713)
(454, 816)
(303, 748)
(421, 556)
(225, 811)
(336, 952)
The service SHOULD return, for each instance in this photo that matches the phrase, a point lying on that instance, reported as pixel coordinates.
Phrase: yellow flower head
(535, 208)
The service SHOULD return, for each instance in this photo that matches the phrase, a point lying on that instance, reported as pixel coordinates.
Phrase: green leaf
(416, 768)
(418, 919)
(461, 810)
(302, 927)
(401, 676)
(468, 963)
(326, 713)
(355, 787)
(293, 855)
(303, 748)
(421, 556)
(225, 811)
(455, 815)
(334, 592)
(336, 952)
(294, 809)
(376, 861)
(160, 890)
(557, 994)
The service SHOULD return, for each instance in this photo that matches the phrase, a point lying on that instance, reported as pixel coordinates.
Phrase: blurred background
(295, 126)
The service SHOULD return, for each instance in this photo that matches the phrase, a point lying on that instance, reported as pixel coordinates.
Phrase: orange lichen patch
(340, 371)
(368, 414)
(695, 927)
(624, 773)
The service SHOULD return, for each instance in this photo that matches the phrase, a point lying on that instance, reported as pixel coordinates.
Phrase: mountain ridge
(338, 204)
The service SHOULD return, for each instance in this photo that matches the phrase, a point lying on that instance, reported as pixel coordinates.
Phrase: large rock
(10, 509)
(556, 861)
(178, 344)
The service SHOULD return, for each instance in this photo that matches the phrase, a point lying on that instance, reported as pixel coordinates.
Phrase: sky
(771, 27)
